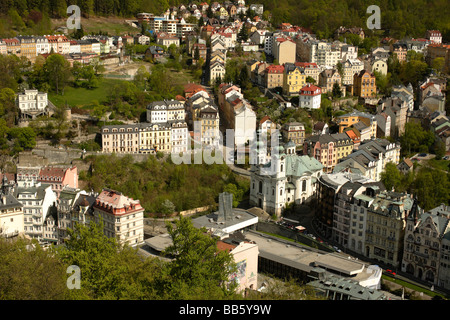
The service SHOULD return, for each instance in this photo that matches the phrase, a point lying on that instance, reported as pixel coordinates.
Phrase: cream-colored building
(284, 50)
(123, 217)
(120, 138)
(245, 255)
(154, 137)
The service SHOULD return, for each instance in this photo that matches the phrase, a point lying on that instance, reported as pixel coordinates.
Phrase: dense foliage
(187, 186)
(428, 182)
(398, 18)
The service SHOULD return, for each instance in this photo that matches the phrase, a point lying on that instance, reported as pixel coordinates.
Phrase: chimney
(225, 207)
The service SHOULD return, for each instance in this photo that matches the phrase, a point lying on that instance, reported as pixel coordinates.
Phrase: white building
(350, 67)
(42, 45)
(288, 178)
(11, 211)
(244, 125)
(37, 201)
(31, 104)
(310, 97)
(166, 110)
(216, 71)
(179, 136)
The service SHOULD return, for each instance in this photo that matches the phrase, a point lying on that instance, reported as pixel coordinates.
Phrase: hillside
(398, 17)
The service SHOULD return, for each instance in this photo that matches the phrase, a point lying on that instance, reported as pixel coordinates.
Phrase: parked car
(391, 272)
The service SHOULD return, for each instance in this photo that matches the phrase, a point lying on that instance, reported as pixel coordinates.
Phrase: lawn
(111, 25)
(81, 97)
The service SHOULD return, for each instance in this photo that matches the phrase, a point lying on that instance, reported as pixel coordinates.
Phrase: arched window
(260, 187)
(304, 185)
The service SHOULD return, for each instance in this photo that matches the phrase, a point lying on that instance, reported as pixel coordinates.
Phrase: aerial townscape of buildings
(335, 168)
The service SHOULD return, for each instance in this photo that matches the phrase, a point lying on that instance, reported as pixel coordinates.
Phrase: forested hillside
(399, 18)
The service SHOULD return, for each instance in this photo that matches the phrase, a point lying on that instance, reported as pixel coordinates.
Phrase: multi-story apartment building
(294, 131)
(216, 72)
(294, 79)
(237, 114)
(274, 76)
(290, 179)
(69, 211)
(322, 148)
(327, 79)
(385, 229)
(120, 138)
(350, 214)
(328, 186)
(310, 69)
(284, 50)
(359, 203)
(349, 119)
(370, 158)
(11, 212)
(37, 201)
(13, 46)
(397, 109)
(426, 250)
(28, 47)
(166, 110)
(310, 97)
(364, 84)
(123, 217)
(59, 44)
(209, 120)
(400, 50)
(42, 45)
(434, 35)
(32, 104)
(154, 137)
(350, 67)
(59, 177)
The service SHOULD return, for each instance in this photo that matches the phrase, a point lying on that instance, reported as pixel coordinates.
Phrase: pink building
(245, 254)
(59, 177)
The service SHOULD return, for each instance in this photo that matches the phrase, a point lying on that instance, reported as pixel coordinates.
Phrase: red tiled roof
(223, 246)
(309, 89)
(275, 69)
(264, 119)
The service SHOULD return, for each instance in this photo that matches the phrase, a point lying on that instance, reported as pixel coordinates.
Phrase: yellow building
(347, 120)
(28, 47)
(155, 137)
(294, 79)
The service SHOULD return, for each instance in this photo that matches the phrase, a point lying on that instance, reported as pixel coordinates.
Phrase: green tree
(243, 34)
(199, 269)
(336, 92)
(23, 138)
(57, 71)
(27, 272)
(109, 270)
(391, 176)
(310, 79)
(438, 64)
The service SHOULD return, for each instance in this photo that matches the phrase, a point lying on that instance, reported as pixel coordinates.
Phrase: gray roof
(9, 201)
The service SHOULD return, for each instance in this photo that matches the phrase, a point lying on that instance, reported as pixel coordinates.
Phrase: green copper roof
(300, 165)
